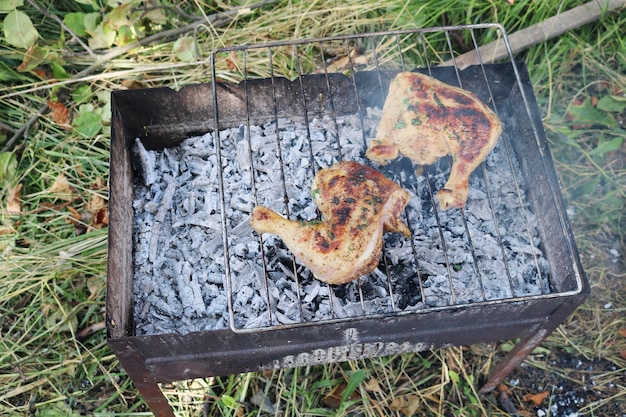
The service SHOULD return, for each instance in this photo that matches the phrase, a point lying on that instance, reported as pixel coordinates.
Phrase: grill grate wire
(393, 50)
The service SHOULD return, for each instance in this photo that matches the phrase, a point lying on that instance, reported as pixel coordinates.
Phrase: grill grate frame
(380, 53)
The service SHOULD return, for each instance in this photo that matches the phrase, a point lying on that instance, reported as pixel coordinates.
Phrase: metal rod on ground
(539, 32)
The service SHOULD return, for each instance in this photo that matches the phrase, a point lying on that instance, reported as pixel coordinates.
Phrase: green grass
(53, 265)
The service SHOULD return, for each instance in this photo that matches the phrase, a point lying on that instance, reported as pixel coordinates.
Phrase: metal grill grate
(315, 102)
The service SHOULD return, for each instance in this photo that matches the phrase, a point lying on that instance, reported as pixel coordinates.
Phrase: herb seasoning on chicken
(358, 204)
(425, 119)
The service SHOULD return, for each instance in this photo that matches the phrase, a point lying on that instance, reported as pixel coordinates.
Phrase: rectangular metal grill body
(163, 118)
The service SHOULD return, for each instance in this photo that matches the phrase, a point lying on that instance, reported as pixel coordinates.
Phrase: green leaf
(229, 401)
(88, 124)
(19, 30)
(90, 21)
(606, 147)
(612, 104)
(59, 72)
(454, 376)
(104, 111)
(156, 16)
(356, 379)
(184, 49)
(82, 94)
(32, 58)
(102, 37)
(76, 22)
(8, 168)
(116, 3)
(586, 113)
(126, 35)
(8, 5)
(118, 17)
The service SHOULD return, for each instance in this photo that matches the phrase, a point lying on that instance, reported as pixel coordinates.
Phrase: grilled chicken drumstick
(358, 205)
(425, 119)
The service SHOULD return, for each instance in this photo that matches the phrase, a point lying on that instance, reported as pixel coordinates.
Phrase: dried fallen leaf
(406, 404)
(101, 218)
(60, 114)
(83, 334)
(61, 188)
(622, 332)
(504, 399)
(536, 399)
(99, 184)
(78, 220)
(95, 286)
(95, 204)
(133, 84)
(355, 58)
(14, 199)
(76, 217)
(333, 399)
(231, 61)
(372, 385)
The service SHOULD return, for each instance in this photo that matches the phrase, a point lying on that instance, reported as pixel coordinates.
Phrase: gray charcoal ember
(242, 147)
(144, 162)
(187, 204)
(212, 222)
(196, 237)
(164, 207)
(218, 303)
(215, 277)
(243, 295)
(197, 166)
(242, 202)
(352, 309)
(287, 271)
(311, 291)
(519, 246)
(284, 319)
(258, 303)
(241, 281)
(189, 291)
(431, 268)
(168, 305)
(258, 273)
(259, 321)
(211, 246)
(337, 307)
(292, 312)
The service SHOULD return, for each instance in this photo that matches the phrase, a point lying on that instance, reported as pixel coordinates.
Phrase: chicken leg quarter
(425, 119)
(358, 205)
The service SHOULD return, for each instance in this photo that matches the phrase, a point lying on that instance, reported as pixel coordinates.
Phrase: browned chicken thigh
(358, 205)
(425, 119)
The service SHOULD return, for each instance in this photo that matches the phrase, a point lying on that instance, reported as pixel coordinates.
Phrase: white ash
(180, 281)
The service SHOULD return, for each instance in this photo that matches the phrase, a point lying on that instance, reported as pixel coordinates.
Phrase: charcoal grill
(332, 78)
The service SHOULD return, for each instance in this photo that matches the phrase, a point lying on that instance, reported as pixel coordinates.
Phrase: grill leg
(154, 397)
(145, 382)
(513, 359)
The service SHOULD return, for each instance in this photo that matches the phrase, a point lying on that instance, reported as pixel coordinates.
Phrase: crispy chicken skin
(425, 119)
(358, 205)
